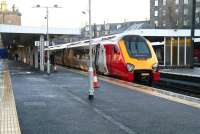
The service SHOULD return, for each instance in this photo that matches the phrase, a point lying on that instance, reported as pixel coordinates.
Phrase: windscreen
(137, 47)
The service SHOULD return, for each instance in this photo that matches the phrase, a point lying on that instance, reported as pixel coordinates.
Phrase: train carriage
(128, 57)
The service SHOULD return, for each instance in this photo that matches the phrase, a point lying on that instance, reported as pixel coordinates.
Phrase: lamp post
(47, 32)
(90, 69)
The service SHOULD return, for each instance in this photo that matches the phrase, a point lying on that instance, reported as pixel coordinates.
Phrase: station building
(99, 30)
(173, 13)
(7, 16)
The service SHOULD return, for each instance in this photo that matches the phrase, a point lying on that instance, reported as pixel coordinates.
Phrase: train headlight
(155, 67)
(130, 67)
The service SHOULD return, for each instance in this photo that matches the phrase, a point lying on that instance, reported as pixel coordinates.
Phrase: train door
(96, 60)
(109, 56)
(102, 67)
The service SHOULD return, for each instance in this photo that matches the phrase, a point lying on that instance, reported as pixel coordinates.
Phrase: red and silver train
(125, 56)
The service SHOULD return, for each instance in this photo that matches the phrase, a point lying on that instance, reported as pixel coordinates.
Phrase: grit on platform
(58, 104)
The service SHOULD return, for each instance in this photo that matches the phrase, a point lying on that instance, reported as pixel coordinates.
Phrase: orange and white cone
(95, 80)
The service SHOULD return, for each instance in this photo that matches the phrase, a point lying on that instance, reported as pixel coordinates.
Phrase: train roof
(111, 39)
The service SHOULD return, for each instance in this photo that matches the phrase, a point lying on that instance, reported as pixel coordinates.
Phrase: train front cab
(140, 58)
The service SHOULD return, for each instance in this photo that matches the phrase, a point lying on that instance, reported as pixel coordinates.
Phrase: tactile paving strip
(9, 123)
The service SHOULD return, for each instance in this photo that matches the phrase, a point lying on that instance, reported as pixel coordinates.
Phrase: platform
(183, 72)
(58, 104)
(188, 79)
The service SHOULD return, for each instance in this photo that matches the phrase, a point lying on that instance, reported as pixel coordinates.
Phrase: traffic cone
(95, 80)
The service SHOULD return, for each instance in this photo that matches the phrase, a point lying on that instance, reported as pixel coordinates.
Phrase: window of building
(97, 34)
(156, 13)
(106, 33)
(164, 12)
(197, 20)
(87, 28)
(177, 2)
(156, 23)
(185, 11)
(198, 0)
(9, 22)
(186, 2)
(198, 10)
(99, 28)
(185, 22)
(156, 3)
(86, 34)
(164, 2)
(177, 22)
(119, 26)
(164, 24)
(177, 11)
(107, 26)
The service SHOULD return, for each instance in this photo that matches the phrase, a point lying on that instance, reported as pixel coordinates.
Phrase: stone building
(99, 30)
(10, 17)
(173, 13)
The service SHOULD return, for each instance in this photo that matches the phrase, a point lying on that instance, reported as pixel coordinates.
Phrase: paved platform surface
(183, 72)
(58, 104)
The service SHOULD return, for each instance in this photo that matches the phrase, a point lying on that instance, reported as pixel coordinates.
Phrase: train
(124, 56)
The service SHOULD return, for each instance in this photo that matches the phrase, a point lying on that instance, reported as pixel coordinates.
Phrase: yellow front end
(140, 64)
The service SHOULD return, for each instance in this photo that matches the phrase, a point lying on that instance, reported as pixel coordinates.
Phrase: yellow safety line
(9, 123)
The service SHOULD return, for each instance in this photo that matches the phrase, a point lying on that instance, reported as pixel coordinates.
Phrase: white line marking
(104, 115)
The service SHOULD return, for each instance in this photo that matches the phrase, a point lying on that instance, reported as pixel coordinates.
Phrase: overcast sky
(70, 14)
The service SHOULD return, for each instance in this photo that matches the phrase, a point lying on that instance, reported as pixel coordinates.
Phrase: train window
(93, 51)
(116, 49)
(137, 47)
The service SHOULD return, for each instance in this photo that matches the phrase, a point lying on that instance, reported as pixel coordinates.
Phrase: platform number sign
(46, 43)
(37, 43)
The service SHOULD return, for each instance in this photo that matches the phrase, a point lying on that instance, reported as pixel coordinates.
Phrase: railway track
(175, 86)
(178, 86)
(185, 87)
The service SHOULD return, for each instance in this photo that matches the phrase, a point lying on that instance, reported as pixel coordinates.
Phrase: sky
(70, 15)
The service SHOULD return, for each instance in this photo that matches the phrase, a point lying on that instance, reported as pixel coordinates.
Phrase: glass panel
(175, 50)
(181, 56)
(168, 51)
(137, 47)
(188, 50)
